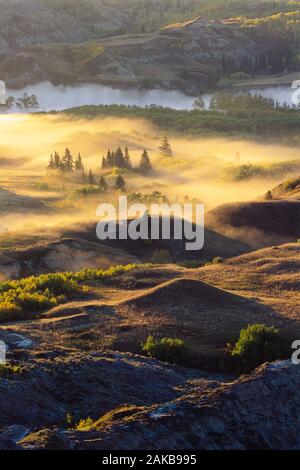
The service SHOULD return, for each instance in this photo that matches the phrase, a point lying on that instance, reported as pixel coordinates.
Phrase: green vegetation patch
(173, 350)
(28, 297)
(257, 344)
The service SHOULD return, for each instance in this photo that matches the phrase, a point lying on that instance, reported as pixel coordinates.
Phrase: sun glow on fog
(195, 170)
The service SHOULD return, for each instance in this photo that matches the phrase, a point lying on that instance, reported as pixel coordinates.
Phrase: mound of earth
(76, 246)
(63, 255)
(289, 189)
(270, 275)
(183, 291)
(12, 202)
(196, 305)
(250, 413)
(257, 223)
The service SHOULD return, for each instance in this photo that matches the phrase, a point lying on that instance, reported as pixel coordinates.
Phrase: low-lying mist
(62, 97)
(196, 170)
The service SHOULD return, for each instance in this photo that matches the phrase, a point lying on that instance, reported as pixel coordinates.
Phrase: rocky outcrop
(187, 56)
(259, 411)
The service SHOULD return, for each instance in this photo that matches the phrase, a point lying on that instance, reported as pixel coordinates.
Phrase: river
(60, 97)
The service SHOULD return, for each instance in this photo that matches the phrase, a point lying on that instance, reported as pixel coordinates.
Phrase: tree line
(114, 159)
(119, 159)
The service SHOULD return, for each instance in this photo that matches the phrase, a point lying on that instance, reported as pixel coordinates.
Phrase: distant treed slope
(64, 41)
(26, 22)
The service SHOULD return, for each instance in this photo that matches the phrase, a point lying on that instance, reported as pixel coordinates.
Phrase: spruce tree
(165, 147)
(104, 163)
(102, 183)
(57, 161)
(120, 183)
(51, 163)
(119, 158)
(127, 159)
(110, 159)
(91, 177)
(67, 161)
(145, 163)
(78, 163)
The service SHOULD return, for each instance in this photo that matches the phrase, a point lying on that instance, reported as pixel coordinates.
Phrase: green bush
(7, 370)
(34, 294)
(24, 298)
(171, 350)
(256, 344)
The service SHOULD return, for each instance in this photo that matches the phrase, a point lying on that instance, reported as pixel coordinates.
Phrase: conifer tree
(119, 158)
(67, 161)
(104, 163)
(91, 177)
(145, 163)
(127, 159)
(51, 163)
(165, 147)
(57, 161)
(78, 163)
(120, 183)
(102, 183)
(110, 159)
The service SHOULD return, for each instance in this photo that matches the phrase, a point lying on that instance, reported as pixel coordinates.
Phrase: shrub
(9, 311)
(84, 424)
(256, 344)
(34, 294)
(171, 350)
(31, 295)
(217, 260)
(7, 370)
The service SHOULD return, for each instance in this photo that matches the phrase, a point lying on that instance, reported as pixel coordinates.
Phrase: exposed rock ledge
(259, 411)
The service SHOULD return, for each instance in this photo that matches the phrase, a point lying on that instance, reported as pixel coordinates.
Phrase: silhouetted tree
(102, 183)
(110, 159)
(57, 161)
(127, 159)
(78, 163)
(145, 163)
(165, 147)
(104, 163)
(120, 183)
(268, 196)
(91, 177)
(119, 158)
(67, 161)
(51, 165)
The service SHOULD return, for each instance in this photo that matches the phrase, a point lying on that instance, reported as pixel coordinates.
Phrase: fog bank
(60, 97)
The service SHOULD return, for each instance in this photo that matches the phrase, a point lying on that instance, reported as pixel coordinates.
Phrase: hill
(189, 56)
(257, 223)
(289, 189)
(88, 343)
(207, 306)
(76, 246)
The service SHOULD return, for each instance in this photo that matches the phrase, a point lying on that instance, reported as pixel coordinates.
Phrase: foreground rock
(260, 411)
